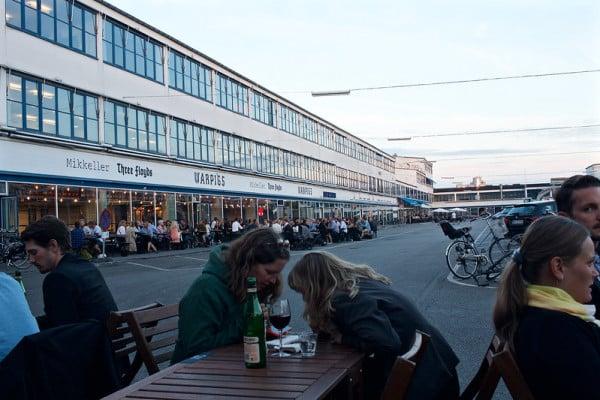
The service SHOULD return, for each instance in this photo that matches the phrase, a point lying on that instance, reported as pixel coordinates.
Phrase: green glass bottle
(255, 346)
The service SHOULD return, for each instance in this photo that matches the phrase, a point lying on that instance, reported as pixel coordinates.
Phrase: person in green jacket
(210, 313)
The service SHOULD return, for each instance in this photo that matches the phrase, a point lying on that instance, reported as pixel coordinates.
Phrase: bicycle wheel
(461, 259)
(19, 260)
(501, 248)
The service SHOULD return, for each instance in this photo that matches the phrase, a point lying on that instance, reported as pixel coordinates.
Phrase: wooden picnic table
(335, 372)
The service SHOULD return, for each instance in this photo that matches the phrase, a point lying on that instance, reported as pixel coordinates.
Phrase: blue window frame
(42, 107)
(129, 50)
(289, 120)
(193, 142)
(231, 95)
(189, 76)
(63, 22)
(263, 108)
(134, 128)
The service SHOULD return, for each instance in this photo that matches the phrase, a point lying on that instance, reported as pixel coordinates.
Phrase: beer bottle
(255, 347)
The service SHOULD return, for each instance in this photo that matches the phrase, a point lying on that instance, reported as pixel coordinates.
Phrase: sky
(295, 47)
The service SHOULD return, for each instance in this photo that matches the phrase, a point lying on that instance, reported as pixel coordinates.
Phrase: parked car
(502, 213)
(520, 217)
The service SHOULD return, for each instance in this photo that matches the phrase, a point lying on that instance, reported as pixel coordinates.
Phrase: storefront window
(75, 203)
(274, 210)
(114, 206)
(165, 207)
(263, 211)
(143, 206)
(184, 208)
(249, 208)
(33, 202)
(231, 208)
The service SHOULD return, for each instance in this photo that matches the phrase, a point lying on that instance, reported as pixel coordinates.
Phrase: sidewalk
(205, 250)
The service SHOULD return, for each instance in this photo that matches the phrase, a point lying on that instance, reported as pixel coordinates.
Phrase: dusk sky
(293, 48)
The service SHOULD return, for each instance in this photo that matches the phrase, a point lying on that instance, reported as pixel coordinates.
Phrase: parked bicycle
(12, 253)
(465, 256)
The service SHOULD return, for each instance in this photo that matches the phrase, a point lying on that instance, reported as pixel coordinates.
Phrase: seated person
(210, 313)
(74, 290)
(16, 320)
(77, 237)
(356, 306)
(540, 311)
(364, 228)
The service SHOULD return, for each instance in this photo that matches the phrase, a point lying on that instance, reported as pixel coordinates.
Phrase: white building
(105, 117)
(415, 176)
(593, 170)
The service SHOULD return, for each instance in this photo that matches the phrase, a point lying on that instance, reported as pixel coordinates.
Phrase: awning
(440, 210)
(409, 201)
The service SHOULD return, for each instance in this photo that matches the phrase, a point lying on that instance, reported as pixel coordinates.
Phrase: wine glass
(279, 316)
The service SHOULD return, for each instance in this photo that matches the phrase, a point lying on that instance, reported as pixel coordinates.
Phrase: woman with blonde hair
(358, 307)
(541, 313)
(210, 313)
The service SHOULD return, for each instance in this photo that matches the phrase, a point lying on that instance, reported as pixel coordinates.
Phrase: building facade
(415, 175)
(104, 117)
(492, 198)
(593, 170)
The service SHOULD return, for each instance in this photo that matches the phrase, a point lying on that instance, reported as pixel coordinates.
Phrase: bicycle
(13, 255)
(464, 258)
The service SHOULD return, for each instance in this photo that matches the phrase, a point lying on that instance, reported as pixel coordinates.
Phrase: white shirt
(213, 225)
(276, 228)
(343, 226)
(207, 229)
(236, 227)
(121, 231)
(87, 231)
(97, 231)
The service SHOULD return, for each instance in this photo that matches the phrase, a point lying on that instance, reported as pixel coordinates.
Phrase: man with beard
(578, 198)
(74, 289)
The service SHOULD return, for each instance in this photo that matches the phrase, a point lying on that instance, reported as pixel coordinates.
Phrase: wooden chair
(398, 382)
(509, 370)
(133, 331)
(497, 363)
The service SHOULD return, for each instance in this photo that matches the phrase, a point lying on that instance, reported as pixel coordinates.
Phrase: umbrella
(440, 210)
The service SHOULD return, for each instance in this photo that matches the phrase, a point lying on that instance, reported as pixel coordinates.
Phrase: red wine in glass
(280, 321)
(279, 316)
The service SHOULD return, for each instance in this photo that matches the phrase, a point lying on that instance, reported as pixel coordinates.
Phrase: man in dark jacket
(74, 290)
(578, 198)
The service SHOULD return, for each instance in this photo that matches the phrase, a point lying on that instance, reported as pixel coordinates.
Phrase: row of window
(134, 128)
(189, 76)
(74, 26)
(231, 95)
(60, 21)
(132, 51)
(42, 107)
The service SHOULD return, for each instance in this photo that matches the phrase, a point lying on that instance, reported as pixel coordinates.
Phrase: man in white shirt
(236, 227)
(215, 224)
(276, 227)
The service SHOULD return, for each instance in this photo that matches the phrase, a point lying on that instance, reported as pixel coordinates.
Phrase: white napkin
(289, 344)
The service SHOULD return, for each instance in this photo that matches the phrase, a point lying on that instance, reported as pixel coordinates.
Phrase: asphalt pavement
(411, 255)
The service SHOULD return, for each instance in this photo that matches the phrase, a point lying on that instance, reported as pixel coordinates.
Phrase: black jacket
(381, 321)
(558, 354)
(71, 361)
(75, 291)
(596, 288)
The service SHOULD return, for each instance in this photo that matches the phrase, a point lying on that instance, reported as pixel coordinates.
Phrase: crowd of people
(547, 306)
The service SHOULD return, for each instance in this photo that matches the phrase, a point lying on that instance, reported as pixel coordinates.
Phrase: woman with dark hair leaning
(210, 313)
(357, 307)
(540, 313)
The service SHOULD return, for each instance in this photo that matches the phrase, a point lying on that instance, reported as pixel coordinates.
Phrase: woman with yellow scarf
(540, 310)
